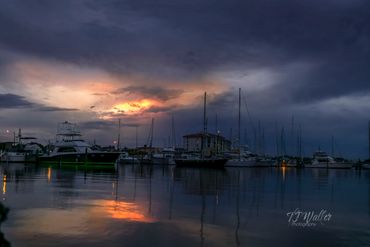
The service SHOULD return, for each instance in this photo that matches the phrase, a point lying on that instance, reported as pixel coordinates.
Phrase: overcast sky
(92, 62)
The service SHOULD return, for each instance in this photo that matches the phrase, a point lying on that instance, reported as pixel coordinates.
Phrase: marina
(70, 150)
(184, 123)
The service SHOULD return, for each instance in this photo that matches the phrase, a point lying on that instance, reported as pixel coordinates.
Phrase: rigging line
(249, 115)
(149, 141)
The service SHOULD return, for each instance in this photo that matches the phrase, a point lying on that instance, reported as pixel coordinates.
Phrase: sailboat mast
(300, 143)
(259, 139)
(151, 134)
(216, 129)
(119, 135)
(205, 114)
(19, 136)
(292, 138)
(369, 140)
(203, 136)
(136, 141)
(282, 139)
(239, 122)
(332, 146)
(173, 132)
(277, 140)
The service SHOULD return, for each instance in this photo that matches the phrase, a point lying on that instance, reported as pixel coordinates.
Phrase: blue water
(169, 206)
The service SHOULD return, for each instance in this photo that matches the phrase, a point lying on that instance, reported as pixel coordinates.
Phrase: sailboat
(202, 160)
(244, 158)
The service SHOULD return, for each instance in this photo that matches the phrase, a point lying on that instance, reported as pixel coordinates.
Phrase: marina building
(213, 144)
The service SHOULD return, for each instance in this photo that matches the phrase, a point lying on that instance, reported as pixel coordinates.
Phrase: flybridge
(68, 129)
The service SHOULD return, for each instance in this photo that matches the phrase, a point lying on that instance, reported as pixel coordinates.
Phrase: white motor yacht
(323, 160)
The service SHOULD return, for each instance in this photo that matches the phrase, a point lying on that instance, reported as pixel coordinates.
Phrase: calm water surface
(169, 206)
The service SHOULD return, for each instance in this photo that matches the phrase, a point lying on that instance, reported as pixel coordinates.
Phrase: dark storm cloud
(223, 100)
(189, 39)
(97, 124)
(54, 109)
(102, 125)
(157, 109)
(13, 101)
(150, 92)
(8, 101)
(330, 80)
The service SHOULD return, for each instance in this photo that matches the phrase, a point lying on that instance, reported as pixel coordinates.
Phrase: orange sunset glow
(133, 107)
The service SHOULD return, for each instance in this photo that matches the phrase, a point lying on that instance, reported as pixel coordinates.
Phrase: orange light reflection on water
(125, 211)
(90, 218)
(4, 184)
(283, 170)
(49, 174)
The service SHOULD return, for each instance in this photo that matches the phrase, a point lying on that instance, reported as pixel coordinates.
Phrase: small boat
(125, 158)
(365, 166)
(244, 159)
(71, 150)
(24, 151)
(13, 156)
(323, 160)
(250, 161)
(264, 162)
(165, 157)
(294, 162)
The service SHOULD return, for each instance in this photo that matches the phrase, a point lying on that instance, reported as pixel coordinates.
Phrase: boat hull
(365, 166)
(331, 165)
(163, 161)
(13, 158)
(241, 163)
(128, 161)
(90, 159)
(216, 163)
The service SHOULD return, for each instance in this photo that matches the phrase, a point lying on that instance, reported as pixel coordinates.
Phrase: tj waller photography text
(308, 218)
